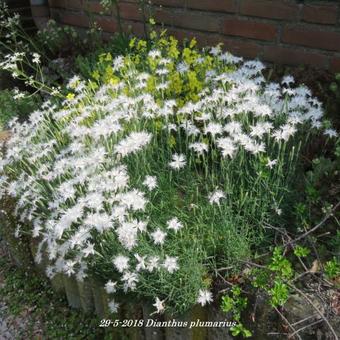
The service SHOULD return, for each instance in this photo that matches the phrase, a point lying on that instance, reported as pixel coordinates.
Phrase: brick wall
(282, 31)
(22, 7)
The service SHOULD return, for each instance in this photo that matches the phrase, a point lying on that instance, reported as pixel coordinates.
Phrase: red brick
(163, 16)
(293, 56)
(107, 24)
(306, 36)
(57, 3)
(335, 64)
(94, 7)
(229, 6)
(276, 9)
(55, 14)
(169, 3)
(130, 11)
(136, 28)
(74, 4)
(194, 21)
(74, 19)
(203, 39)
(320, 14)
(187, 20)
(247, 49)
(250, 29)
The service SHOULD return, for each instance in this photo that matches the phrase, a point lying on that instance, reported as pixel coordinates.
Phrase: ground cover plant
(161, 169)
(35, 311)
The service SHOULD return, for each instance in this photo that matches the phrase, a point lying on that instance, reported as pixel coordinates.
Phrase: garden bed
(174, 182)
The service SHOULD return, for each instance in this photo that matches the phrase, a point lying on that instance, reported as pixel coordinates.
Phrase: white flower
(118, 63)
(100, 221)
(162, 86)
(153, 54)
(133, 143)
(278, 211)
(316, 124)
(330, 133)
(158, 236)
(182, 67)
(159, 305)
(216, 196)
(141, 262)
(200, 148)
(127, 234)
(285, 132)
(50, 272)
(216, 50)
(260, 129)
(287, 80)
(133, 199)
(204, 297)
(229, 58)
(233, 127)
(119, 213)
(174, 224)
(113, 306)
(153, 263)
(150, 182)
(227, 146)
(255, 147)
(170, 264)
(178, 161)
(270, 163)
(110, 287)
(161, 71)
(190, 128)
(121, 263)
(19, 95)
(213, 128)
(69, 267)
(130, 281)
(89, 250)
(36, 58)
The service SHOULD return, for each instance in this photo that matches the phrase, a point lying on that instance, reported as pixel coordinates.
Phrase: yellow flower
(95, 75)
(132, 42)
(70, 96)
(141, 45)
(193, 43)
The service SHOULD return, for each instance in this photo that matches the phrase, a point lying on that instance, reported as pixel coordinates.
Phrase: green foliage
(27, 293)
(280, 264)
(236, 303)
(12, 105)
(87, 65)
(56, 40)
(300, 251)
(332, 268)
(279, 293)
(273, 277)
(239, 329)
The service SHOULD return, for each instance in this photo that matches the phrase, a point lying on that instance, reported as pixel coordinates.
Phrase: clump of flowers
(160, 169)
